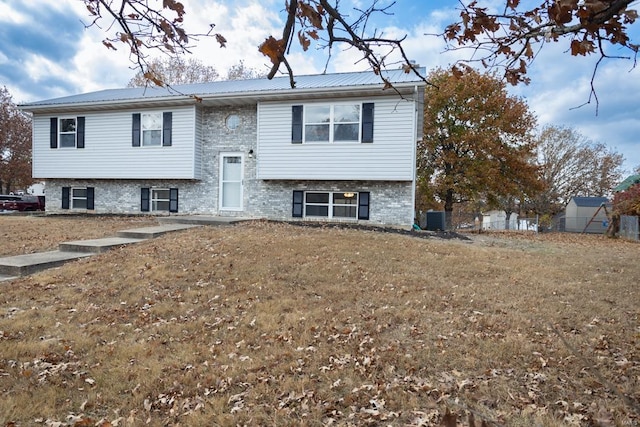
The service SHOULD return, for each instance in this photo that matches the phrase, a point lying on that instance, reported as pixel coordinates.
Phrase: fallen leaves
(467, 331)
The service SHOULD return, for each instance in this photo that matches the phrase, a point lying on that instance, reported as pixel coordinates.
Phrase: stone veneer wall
(391, 202)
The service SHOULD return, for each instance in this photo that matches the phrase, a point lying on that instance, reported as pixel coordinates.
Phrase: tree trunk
(507, 224)
(448, 210)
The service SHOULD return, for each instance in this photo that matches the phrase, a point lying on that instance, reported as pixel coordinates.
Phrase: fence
(630, 227)
(438, 220)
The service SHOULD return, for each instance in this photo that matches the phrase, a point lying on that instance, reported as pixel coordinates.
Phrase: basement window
(331, 204)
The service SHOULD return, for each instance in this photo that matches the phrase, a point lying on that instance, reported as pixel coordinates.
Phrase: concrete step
(97, 246)
(4, 278)
(201, 219)
(21, 265)
(153, 232)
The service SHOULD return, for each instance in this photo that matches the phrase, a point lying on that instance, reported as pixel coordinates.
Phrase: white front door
(231, 174)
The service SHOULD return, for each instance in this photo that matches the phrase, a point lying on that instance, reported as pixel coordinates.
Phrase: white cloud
(245, 25)
(9, 14)
(95, 67)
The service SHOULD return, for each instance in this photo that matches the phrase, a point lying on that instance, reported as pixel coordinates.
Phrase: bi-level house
(336, 147)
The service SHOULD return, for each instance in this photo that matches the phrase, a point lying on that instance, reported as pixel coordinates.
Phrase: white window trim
(153, 199)
(60, 132)
(72, 198)
(142, 114)
(330, 205)
(331, 123)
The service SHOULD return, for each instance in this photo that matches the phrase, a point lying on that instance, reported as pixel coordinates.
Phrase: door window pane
(232, 169)
(231, 195)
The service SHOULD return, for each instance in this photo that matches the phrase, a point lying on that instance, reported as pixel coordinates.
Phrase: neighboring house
(497, 220)
(36, 189)
(628, 182)
(337, 147)
(580, 211)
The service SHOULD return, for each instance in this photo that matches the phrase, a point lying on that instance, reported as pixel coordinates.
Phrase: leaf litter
(270, 323)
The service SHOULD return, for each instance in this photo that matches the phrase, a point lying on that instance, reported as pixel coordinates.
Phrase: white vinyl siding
(108, 151)
(389, 157)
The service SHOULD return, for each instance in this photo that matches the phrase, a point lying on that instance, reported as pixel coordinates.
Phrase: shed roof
(631, 180)
(232, 90)
(589, 202)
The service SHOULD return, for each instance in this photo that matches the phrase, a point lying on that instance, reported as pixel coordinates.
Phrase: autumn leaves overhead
(508, 39)
(511, 38)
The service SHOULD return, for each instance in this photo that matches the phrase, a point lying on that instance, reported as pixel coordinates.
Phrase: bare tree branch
(505, 40)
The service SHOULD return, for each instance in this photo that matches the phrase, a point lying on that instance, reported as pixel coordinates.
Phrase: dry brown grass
(270, 324)
(21, 234)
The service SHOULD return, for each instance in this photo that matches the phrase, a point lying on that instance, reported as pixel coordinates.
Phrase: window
(232, 122)
(67, 132)
(332, 123)
(159, 200)
(151, 129)
(78, 198)
(331, 205)
(337, 204)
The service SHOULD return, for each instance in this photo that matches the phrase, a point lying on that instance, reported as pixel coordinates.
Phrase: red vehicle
(21, 203)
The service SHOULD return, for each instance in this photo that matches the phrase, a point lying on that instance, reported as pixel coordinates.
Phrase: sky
(48, 50)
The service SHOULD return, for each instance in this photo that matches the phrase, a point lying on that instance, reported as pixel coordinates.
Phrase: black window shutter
(363, 205)
(53, 133)
(144, 200)
(173, 200)
(298, 199)
(90, 198)
(296, 124)
(80, 133)
(66, 191)
(367, 122)
(167, 119)
(135, 130)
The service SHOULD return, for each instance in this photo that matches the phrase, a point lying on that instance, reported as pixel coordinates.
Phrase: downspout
(413, 155)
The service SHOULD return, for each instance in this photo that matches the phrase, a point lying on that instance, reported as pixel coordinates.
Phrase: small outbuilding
(497, 220)
(580, 211)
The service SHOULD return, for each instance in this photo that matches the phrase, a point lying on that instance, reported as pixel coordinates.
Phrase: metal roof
(624, 185)
(232, 89)
(590, 202)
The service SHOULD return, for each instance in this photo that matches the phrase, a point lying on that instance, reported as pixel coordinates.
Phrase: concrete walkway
(22, 265)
